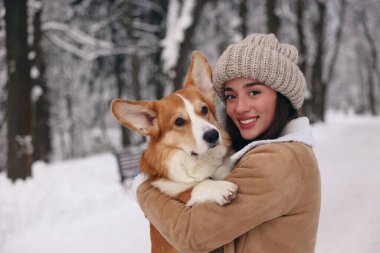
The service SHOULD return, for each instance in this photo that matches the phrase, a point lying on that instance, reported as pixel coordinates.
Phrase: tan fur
(185, 196)
(168, 159)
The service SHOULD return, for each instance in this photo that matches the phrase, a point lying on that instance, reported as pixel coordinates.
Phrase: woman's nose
(242, 105)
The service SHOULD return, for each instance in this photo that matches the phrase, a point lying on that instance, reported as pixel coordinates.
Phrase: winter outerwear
(276, 210)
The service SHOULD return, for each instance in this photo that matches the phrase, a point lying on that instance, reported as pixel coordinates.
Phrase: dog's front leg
(221, 192)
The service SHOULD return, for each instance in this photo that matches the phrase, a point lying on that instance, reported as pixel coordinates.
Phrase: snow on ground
(76, 206)
(348, 152)
(79, 206)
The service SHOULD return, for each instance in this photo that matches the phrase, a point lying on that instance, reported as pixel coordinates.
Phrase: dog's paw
(224, 192)
(220, 192)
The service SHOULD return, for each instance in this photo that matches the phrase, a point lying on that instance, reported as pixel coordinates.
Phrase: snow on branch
(106, 21)
(92, 54)
(69, 47)
(87, 47)
(76, 35)
(150, 6)
(177, 23)
(37, 5)
(146, 27)
(287, 13)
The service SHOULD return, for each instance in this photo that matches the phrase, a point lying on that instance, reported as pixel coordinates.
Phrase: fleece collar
(296, 130)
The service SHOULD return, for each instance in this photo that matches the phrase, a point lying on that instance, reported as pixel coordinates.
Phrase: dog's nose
(211, 136)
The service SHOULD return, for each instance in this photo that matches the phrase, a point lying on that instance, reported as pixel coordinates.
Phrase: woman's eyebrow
(253, 84)
(246, 85)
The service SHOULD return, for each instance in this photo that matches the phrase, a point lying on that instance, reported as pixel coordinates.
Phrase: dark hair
(283, 114)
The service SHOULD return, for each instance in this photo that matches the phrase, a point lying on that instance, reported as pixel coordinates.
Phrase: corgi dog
(187, 156)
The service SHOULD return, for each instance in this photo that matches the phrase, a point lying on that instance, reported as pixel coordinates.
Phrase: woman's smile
(247, 122)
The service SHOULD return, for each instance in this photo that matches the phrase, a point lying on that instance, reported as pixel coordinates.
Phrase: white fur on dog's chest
(187, 169)
(186, 172)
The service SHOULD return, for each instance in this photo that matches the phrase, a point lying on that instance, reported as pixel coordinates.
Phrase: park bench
(128, 163)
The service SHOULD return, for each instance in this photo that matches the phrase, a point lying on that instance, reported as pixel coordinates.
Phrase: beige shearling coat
(276, 210)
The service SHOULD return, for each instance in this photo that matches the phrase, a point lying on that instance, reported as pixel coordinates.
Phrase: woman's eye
(229, 96)
(180, 122)
(204, 110)
(254, 92)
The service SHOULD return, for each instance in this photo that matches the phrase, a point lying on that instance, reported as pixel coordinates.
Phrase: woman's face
(251, 105)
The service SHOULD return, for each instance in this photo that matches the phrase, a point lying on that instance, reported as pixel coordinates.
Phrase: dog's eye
(204, 110)
(180, 122)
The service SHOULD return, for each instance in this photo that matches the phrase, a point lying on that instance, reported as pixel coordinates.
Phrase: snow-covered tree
(19, 105)
(3, 93)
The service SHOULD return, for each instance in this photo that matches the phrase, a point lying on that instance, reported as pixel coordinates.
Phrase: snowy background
(79, 206)
(89, 52)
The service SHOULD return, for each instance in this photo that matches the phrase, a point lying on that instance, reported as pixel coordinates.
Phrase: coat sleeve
(269, 184)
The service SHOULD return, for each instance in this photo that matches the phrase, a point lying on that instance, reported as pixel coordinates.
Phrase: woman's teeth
(247, 121)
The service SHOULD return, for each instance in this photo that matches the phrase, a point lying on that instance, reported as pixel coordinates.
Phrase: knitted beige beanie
(261, 57)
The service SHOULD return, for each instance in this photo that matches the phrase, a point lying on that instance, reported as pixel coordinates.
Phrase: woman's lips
(246, 123)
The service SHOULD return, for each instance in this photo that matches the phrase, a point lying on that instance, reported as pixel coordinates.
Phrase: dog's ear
(200, 75)
(136, 115)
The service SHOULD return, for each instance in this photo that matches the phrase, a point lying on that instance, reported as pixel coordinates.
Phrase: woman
(277, 207)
